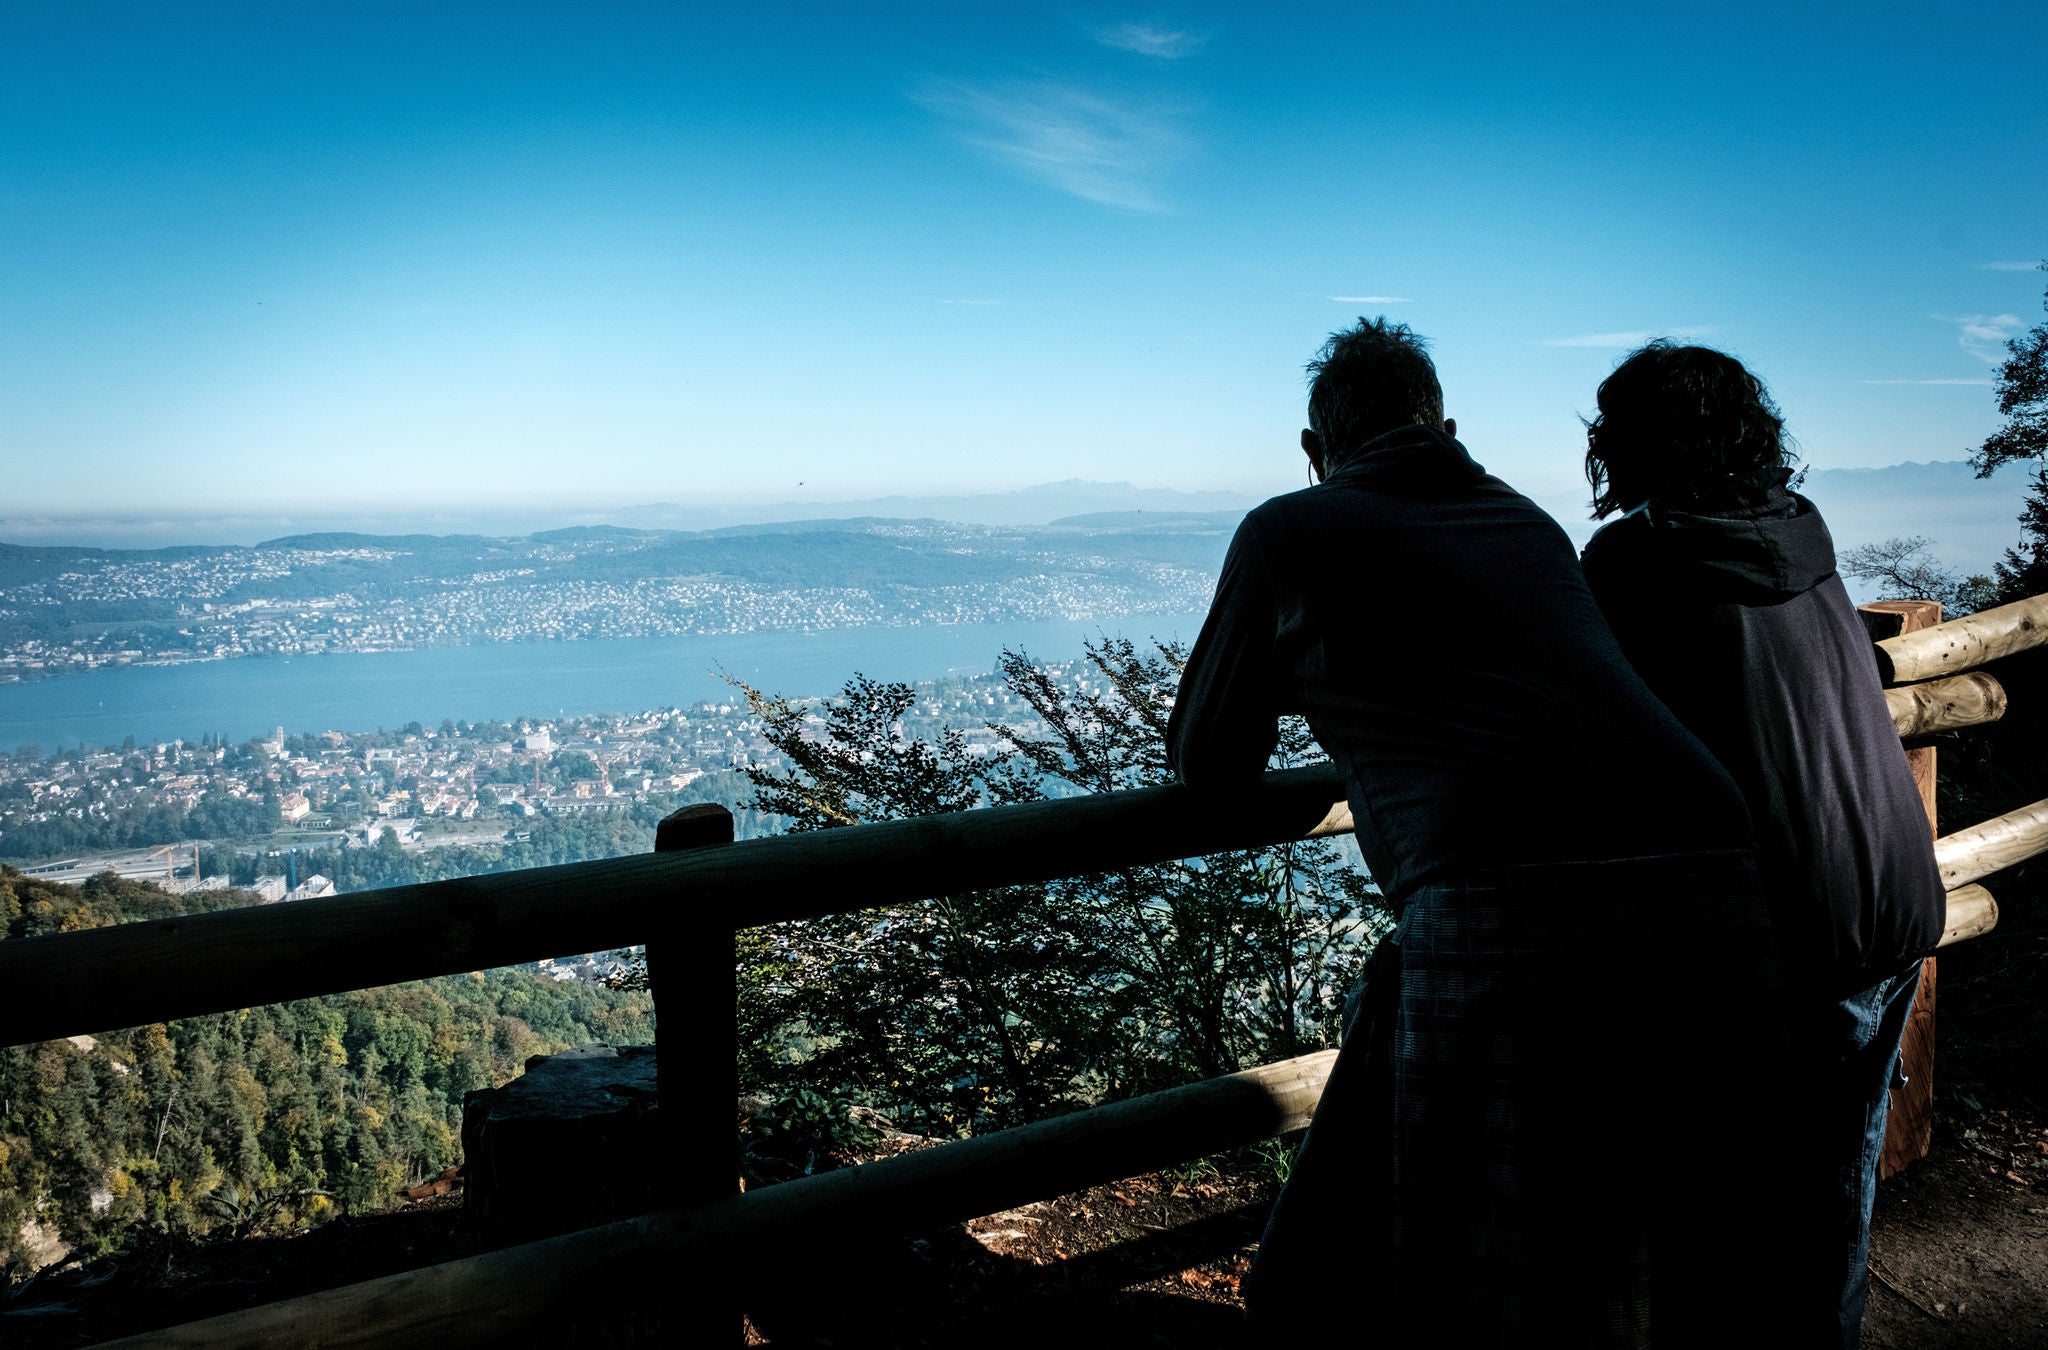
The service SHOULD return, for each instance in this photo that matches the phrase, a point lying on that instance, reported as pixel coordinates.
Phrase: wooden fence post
(1909, 1130)
(696, 1074)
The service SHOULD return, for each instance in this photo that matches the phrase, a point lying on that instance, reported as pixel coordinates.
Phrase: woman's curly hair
(1685, 427)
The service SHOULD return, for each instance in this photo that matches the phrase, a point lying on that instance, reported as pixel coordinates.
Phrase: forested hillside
(261, 1118)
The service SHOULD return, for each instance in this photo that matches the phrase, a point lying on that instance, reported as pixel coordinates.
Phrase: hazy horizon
(170, 529)
(1969, 521)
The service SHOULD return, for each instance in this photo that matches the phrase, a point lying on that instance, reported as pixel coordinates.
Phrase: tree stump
(571, 1143)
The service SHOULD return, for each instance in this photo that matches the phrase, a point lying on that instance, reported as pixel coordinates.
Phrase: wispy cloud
(1147, 39)
(1983, 335)
(1968, 382)
(1069, 138)
(1620, 341)
(2008, 266)
(1370, 299)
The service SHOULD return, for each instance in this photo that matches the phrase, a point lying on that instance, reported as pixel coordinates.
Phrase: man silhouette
(1502, 1154)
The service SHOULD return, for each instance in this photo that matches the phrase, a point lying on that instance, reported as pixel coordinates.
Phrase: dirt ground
(1959, 1262)
(1959, 1242)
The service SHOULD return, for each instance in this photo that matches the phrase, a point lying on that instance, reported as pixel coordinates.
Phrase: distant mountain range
(1970, 520)
(1039, 505)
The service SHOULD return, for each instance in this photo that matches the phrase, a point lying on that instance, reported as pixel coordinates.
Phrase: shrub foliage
(982, 1009)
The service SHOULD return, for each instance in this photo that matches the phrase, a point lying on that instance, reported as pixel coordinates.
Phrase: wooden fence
(685, 901)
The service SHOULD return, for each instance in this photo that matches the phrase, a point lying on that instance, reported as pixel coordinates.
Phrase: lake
(366, 691)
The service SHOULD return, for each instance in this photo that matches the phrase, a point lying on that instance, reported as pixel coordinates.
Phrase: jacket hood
(1419, 457)
(1771, 552)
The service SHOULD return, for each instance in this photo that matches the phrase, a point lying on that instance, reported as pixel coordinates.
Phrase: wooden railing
(686, 900)
(129, 974)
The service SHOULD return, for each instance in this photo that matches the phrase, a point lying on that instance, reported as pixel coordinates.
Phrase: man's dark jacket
(1741, 624)
(1584, 932)
(1432, 625)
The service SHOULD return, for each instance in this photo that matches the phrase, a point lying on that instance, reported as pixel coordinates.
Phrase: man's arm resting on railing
(1226, 714)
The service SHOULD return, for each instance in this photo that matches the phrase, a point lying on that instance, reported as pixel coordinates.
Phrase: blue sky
(312, 259)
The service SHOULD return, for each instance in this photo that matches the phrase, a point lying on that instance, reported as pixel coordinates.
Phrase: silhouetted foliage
(1995, 1017)
(978, 1010)
(962, 1010)
(2022, 393)
(1905, 569)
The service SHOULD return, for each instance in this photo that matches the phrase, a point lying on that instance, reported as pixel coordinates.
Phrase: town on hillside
(212, 813)
(66, 610)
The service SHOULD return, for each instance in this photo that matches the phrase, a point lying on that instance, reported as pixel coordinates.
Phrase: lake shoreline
(244, 697)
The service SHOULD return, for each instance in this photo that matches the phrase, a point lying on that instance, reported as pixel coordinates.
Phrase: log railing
(723, 1254)
(689, 896)
(1965, 643)
(129, 974)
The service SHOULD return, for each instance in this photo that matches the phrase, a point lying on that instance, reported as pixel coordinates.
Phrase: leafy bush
(803, 1130)
(984, 1009)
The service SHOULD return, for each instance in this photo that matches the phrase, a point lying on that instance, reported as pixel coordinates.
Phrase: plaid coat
(1510, 1148)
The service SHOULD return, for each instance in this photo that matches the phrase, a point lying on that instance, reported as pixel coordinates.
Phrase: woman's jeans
(1854, 1043)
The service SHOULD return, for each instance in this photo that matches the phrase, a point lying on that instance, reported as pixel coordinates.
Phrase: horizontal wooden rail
(1998, 843)
(734, 1249)
(1971, 913)
(64, 984)
(67, 983)
(1962, 644)
(1959, 701)
(732, 1245)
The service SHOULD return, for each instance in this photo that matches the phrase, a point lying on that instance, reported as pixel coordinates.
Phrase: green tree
(1995, 1013)
(575, 764)
(1230, 959)
(993, 1007)
(1905, 569)
(2022, 392)
(959, 1009)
